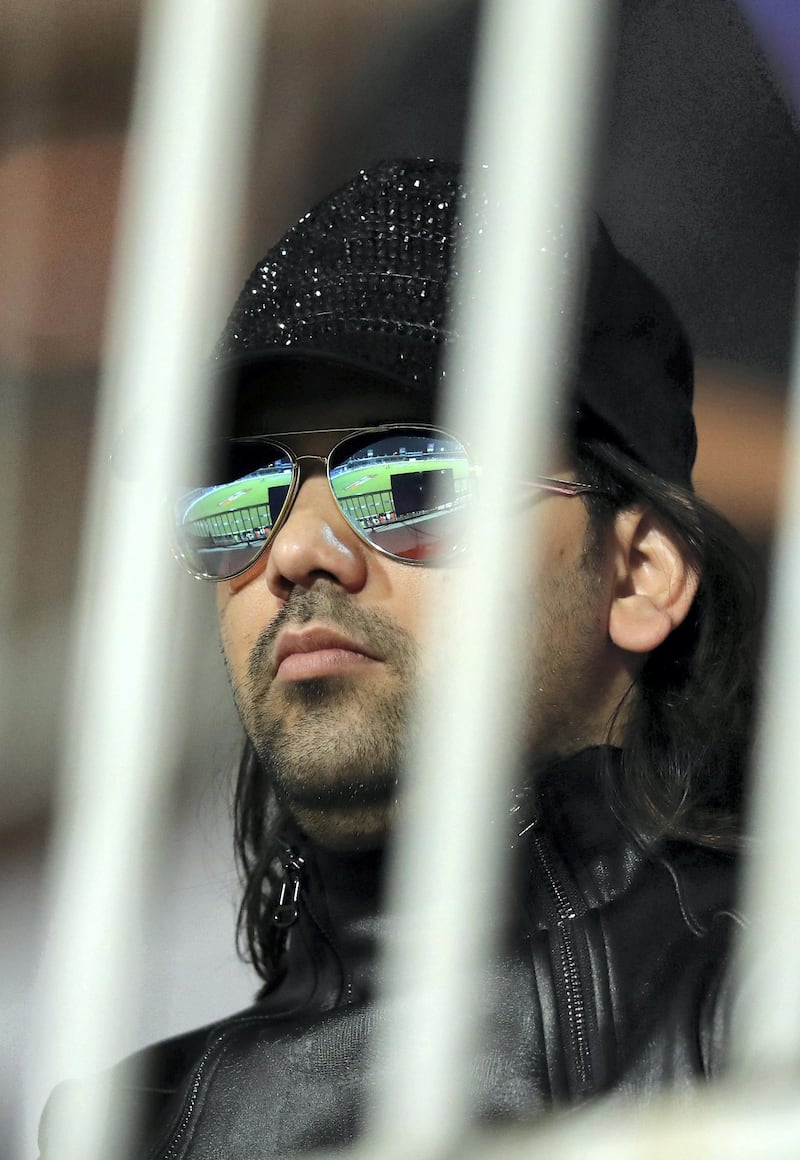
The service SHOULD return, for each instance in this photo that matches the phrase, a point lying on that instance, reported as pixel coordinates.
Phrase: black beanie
(368, 279)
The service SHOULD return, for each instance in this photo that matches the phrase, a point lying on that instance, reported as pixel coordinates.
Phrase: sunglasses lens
(222, 528)
(406, 491)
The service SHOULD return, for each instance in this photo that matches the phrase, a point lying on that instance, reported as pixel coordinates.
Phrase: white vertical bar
(766, 1031)
(531, 139)
(189, 153)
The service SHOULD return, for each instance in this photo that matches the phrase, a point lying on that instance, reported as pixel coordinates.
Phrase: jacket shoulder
(153, 1075)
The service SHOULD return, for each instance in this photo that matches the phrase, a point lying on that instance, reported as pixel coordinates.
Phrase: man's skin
(330, 714)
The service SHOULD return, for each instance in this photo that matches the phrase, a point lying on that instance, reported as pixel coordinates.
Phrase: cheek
(241, 617)
(558, 543)
(417, 593)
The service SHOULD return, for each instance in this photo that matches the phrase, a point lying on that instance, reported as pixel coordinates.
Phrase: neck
(348, 829)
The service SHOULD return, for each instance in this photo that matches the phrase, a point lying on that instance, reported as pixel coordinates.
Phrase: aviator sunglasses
(404, 489)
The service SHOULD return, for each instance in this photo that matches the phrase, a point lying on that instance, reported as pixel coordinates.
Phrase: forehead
(308, 397)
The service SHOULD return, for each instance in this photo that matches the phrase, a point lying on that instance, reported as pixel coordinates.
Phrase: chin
(298, 790)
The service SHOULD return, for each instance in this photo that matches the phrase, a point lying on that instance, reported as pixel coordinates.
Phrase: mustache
(327, 603)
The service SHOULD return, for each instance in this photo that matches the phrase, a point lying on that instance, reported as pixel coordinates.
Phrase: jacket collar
(331, 950)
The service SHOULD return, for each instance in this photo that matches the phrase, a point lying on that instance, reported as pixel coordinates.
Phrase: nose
(315, 542)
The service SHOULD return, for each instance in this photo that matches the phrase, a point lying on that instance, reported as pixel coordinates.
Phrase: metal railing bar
(539, 74)
(766, 1026)
(187, 169)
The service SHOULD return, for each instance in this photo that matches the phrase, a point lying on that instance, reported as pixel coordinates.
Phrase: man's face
(325, 638)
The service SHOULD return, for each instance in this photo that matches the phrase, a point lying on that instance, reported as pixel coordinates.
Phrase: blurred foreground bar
(187, 161)
(766, 1031)
(540, 70)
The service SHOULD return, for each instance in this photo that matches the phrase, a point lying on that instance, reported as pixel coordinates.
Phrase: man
(330, 524)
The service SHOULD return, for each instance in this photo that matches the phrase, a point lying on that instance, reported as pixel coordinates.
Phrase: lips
(312, 651)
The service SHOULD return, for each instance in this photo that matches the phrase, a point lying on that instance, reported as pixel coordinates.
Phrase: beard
(332, 742)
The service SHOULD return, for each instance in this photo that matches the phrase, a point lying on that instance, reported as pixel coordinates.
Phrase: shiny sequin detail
(362, 277)
(366, 276)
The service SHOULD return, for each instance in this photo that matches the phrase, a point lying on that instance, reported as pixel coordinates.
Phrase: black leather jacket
(612, 975)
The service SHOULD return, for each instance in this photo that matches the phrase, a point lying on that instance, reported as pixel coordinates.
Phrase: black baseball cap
(368, 280)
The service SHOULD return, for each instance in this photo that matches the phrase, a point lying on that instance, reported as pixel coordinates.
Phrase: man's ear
(654, 585)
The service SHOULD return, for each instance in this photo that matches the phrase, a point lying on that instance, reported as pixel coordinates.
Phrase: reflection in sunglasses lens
(406, 492)
(223, 528)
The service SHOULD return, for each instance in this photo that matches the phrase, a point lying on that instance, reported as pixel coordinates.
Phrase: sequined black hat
(368, 278)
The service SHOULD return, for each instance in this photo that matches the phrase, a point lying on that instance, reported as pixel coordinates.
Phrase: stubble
(332, 743)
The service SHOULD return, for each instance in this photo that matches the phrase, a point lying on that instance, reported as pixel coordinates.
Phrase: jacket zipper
(190, 1103)
(287, 912)
(573, 989)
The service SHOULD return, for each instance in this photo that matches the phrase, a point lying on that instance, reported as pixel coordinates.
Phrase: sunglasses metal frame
(542, 483)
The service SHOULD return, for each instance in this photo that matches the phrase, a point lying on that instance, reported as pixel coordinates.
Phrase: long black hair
(688, 718)
(258, 820)
(687, 729)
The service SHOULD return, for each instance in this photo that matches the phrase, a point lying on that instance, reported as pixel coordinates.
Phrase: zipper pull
(287, 910)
